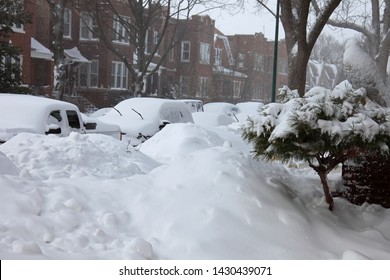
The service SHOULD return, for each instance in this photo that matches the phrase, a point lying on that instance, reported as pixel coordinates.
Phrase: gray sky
(251, 21)
(248, 21)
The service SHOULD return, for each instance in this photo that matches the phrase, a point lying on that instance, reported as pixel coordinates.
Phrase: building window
(185, 51)
(18, 27)
(218, 56)
(121, 27)
(155, 37)
(241, 61)
(89, 74)
(171, 57)
(237, 89)
(184, 85)
(259, 62)
(155, 40)
(283, 66)
(67, 23)
(202, 92)
(119, 75)
(88, 28)
(12, 66)
(204, 53)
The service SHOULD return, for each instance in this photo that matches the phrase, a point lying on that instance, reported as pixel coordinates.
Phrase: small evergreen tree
(323, 128)
(11, 14)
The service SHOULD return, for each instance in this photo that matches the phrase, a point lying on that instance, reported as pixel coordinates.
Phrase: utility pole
(276, 47)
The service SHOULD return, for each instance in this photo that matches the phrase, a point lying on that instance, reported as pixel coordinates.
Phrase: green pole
(275, 67)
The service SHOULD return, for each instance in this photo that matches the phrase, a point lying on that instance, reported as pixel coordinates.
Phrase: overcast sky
(251, 21)
(248, 21)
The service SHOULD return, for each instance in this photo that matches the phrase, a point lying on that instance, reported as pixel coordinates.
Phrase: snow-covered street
(189, 192)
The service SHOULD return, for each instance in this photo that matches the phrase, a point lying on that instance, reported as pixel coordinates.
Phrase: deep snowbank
(188, 193)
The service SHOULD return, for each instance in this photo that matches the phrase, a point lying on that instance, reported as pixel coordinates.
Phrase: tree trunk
(300, 39)
(325, 186)
(297, 70)
(58, 47)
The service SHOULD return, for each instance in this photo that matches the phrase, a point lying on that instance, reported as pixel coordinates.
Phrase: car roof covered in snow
(28, 112)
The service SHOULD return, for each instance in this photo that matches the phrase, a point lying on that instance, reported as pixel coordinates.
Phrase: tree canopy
(11, 15)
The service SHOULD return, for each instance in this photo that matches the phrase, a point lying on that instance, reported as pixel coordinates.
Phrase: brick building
(205, 64)
(35, 57)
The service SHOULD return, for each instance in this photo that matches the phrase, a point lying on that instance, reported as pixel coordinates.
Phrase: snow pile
(90, 197)
(52, 157)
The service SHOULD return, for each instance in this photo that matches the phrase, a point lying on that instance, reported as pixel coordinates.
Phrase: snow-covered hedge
(324, 128)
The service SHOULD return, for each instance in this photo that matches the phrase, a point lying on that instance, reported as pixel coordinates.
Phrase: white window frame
(184, 85)
(202, 92)
(259, 62)
(171, 55)
(19, 28)
(237, 89)
(204, 53)
(68, 22)
(119, 75)
(156, 37)
(218, 56)
(86, 24)
(12, 61)
(121, 34)
(185, 51)
(90, 76)
(283, 66)
(241, 61)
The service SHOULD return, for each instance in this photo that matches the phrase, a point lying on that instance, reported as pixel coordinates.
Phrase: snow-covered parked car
(27, 113)
(228, 109)
(141, 117)
(194, 105)
(248, 109)
(211, 119)
(94, 125)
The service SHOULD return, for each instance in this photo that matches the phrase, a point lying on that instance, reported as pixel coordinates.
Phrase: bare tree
(301, 35)
(300, 39)
(57, 8)
(371, 18)
(328, 49)
(134, 20)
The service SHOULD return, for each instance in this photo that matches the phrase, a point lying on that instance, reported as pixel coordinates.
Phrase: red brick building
(204, 64)
(35, 57)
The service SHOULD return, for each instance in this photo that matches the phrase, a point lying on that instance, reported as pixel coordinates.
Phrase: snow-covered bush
(323, 128)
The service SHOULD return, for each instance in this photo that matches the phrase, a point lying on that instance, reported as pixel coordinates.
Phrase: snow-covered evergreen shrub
(323, 128)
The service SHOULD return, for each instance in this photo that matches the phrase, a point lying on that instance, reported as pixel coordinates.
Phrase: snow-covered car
(141, 117)
(94, 125)
(248, 109)
(27, 113)
(211, 119)
(194, 105)
(100, 112)
(228, 109)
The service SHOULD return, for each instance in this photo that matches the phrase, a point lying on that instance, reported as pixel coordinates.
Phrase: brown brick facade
(219, 68)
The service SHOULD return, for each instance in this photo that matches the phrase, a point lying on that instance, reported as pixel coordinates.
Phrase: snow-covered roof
(74, 55)
(40, 51)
